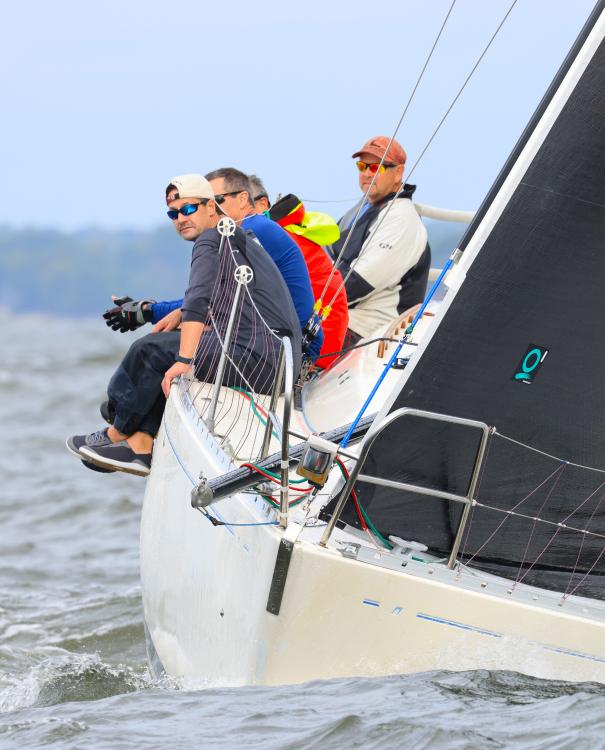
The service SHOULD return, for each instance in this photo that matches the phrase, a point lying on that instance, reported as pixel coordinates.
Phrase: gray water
(73, 671)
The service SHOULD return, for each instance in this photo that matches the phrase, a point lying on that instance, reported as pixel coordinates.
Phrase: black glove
(128, 315)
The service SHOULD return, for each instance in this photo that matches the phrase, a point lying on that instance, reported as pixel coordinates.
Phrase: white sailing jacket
(390, 260)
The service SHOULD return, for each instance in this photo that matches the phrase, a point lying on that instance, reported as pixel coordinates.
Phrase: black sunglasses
(220, 198)
(186, 210)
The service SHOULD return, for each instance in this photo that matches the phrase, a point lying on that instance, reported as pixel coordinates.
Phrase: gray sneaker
(75, 442)
(117, 457)
(98, 438)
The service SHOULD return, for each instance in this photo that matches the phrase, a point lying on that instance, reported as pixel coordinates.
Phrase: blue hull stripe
(482, 631)
(577, 654)
(460, 625)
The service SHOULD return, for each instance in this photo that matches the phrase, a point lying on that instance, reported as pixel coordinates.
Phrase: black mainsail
(520, 347)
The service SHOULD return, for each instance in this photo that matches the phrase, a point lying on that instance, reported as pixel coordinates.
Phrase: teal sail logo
(530, 364)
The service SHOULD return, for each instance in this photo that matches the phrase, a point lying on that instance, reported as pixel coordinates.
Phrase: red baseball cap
(377, 146)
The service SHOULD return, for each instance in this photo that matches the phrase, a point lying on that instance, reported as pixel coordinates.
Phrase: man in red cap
(386, 253)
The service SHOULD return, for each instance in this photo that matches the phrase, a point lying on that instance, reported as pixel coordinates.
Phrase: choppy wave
(119, 707)
(70, 677)
(73, 671)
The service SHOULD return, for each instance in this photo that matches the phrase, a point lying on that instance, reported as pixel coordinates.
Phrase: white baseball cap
(189, 186)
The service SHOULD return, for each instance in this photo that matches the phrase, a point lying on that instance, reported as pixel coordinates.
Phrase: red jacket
(300, 225)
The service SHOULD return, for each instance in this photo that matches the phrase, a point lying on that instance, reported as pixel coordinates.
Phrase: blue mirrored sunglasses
(186, 210)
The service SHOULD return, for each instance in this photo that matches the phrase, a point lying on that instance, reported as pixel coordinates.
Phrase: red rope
(362, 520)
(277, 481)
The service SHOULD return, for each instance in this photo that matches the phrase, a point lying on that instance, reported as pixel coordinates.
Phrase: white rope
(444, 214)
(431, 212)
(341, 200)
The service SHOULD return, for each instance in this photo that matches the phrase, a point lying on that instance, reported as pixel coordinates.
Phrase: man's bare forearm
(190, 335)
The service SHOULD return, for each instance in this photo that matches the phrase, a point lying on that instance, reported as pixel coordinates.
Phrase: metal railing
(203, 497)
(466, 500)
(284, 375)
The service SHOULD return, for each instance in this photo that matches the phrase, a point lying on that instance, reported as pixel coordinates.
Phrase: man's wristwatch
(184, 360)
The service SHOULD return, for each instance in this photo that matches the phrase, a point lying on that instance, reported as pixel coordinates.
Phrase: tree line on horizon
(75, 273)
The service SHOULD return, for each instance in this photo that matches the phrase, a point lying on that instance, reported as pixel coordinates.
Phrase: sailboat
(454, 521)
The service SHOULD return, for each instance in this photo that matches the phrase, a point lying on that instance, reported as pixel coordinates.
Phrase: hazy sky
(104, 102)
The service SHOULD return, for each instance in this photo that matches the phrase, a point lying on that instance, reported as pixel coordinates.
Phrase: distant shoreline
(70, 274)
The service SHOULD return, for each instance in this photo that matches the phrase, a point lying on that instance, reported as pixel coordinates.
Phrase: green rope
(364, 513)
(255, 411)
(275, 504)
(275, 475)
(374, 529)
(264, 422)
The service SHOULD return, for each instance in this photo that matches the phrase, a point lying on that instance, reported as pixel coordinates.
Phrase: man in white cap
(138, 389)
(387, 257)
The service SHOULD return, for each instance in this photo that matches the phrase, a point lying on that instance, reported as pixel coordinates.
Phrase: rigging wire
(213, 520)
(509, 512)
(548, 455)
(220, 309)
(272, 473)
(594, 512)
(270, 476)
(559, 524)
(365, 197)
(468, 78)
(417, 162)
(445, 268)
(361, 345)
(533, 529)
(277, 505)
(584, 577)
(216, 522)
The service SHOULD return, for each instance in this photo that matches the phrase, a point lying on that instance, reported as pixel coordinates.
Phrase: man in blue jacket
(234, 196)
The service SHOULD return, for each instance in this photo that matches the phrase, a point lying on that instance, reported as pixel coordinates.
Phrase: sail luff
(590, 29)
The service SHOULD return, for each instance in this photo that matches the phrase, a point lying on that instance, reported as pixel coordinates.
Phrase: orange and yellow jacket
(311, 230)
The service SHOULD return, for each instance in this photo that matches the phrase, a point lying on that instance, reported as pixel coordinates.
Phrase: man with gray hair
(260, 196)
(233, 194)
(310, 231)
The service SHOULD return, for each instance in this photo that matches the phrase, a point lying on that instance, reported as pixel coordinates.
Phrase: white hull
(205, 592)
